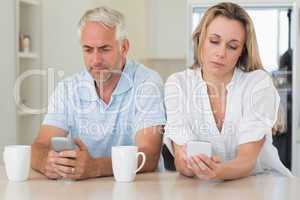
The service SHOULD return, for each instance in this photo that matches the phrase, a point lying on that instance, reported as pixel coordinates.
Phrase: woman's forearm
(237, 168)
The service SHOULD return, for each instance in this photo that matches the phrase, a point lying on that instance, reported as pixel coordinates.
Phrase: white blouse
(251, 111)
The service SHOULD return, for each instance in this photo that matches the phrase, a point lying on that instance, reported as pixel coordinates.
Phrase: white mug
(125, 162)
(17, 159)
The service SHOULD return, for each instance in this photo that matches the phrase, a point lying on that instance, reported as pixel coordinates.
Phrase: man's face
(103, 54)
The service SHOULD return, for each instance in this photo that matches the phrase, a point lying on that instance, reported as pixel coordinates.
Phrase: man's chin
(102, 78)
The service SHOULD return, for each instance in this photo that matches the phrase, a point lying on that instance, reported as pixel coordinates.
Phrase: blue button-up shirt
(136, 103)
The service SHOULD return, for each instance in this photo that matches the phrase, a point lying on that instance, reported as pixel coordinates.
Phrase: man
(114, 101)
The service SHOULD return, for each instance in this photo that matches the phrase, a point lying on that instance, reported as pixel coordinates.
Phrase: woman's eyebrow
(218, 36)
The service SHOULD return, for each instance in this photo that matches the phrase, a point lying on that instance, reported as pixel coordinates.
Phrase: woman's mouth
(217, 64)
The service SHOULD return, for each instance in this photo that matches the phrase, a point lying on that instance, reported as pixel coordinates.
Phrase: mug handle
(143, 161)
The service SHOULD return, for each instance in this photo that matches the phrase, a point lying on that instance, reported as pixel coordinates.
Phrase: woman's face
(223, 45)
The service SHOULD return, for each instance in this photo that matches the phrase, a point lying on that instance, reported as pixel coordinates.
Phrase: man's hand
(50, 168)
(75, 164)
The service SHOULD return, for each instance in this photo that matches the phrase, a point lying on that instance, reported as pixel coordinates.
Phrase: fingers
(80, 144)
(73, 164)
(203, 167)
(196, 162)
(52, 175)
(50, 166)
(65, 162)
(197, 167)
(68, 154)
(75, 173)
(65, 170)
(207, 161)
(216, 159)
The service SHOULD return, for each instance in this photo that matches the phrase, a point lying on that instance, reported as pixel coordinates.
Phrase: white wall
(168, 29)
(61, 49)
(7, 74)
(136, 13)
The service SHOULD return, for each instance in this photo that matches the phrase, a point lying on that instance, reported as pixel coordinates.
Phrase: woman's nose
(221, 51)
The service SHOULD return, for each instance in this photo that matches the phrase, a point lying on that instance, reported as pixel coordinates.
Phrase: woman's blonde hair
(249, 59)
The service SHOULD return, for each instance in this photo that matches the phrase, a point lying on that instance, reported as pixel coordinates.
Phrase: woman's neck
(216, 81)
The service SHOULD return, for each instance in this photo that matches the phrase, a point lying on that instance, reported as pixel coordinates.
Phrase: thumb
(183, 150)
(216, 159)
(80, 144)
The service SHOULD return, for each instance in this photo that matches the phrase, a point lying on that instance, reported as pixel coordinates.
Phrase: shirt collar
(235, 77)
(126, 80)
(86, 85)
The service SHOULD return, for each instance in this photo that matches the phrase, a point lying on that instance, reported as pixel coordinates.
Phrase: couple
(225, 98)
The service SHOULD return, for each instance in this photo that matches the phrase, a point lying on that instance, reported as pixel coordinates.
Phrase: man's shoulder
(141, 73)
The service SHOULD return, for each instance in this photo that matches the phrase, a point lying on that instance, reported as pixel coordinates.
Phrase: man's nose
(96, 57)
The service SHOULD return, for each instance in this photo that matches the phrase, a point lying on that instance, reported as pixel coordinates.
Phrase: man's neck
(105, 90)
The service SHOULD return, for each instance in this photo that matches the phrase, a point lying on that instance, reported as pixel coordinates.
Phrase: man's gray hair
(106, 16)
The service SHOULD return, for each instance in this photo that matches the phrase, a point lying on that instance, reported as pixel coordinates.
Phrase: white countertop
(167, 185)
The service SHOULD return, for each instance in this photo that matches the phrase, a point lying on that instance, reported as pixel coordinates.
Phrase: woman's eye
(232, 47)
(214, 41)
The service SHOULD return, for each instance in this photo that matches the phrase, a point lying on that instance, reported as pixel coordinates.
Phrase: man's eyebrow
(104, 46)
(87, 46)
(100, 47)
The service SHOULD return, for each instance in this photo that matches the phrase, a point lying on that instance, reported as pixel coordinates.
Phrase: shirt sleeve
(177, 128)
(149, 105)
(57, 114)
(260, 110)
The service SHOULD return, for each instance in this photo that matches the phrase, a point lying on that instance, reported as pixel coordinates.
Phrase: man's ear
(124, 47)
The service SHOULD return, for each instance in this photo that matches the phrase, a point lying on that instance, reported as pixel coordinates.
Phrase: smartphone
(199, 147)
(62, 144)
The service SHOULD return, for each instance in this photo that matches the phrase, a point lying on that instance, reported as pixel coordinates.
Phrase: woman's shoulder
(255, 80)
(182, 76)
(255, 75)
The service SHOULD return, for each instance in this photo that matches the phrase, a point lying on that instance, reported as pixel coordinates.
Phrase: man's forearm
(152, 159)
(101, 167)
(39, 154)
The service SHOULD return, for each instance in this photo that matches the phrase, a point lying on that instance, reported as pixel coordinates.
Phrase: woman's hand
(181, 160)
(203, 167)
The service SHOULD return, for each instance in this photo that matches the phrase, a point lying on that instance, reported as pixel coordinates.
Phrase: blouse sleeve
(177, 127)
(260, 109)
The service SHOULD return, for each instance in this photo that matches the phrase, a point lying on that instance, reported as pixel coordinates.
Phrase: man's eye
(88, 50)
(106, 49)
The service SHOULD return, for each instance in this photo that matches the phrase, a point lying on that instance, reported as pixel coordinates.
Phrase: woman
(225, 98)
